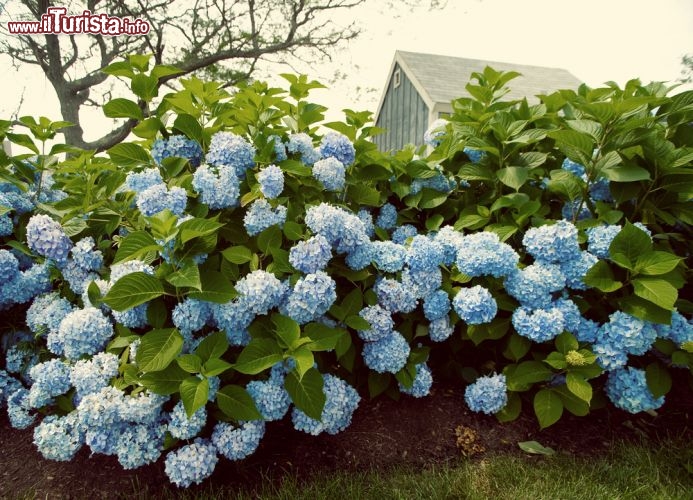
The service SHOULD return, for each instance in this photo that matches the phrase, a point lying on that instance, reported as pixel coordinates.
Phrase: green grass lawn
(630, 471)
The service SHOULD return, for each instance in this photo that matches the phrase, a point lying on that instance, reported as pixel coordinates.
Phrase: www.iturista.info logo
(56, 22)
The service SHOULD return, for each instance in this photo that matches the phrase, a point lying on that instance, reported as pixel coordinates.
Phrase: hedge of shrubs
(243, 262)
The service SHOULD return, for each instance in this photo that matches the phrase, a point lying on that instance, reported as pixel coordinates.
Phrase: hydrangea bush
(242, 262)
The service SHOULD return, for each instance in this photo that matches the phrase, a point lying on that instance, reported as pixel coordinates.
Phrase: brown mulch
(412, 432)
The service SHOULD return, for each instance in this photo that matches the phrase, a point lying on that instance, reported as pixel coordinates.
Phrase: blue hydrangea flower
(422, 382)
(140, 444)
(389, 354)
(218, 187)
(439, 182)
(311, 297)
(627, 389)
(576, 269)
(609, 356)
(18, 409)
(183, 427)
(236, 443)
(58, 438)
(9, 266)
(261, 291)
(46, 312)
(483, 253)
(77, 277)
(85, 256)
(341, 401)
(553, 243)
(440, 329)
(388, 256)
(343, 230)
(270, 397)
(360, 257)
(449, 241)
(488, 394)
(538, 325)
(261, 215)
(599, 240)
(312, 255)
(435, 132)
(19, 358)
(338, 146)
(394, 296)
(330, 173)
(380, 321)
(574, 168)
(600, 190)
(92, 375)
(177, 145)
(191, 315)
(50, 379)
(679, 331)
(141, 181)
(475, 305)
(158, 198)
(8, 386)
(367, 219)
(230, 149)
(279, 148)
(271, 179)
(193, 463)
(587, 331)
(235, 316)
(30, 283)
(575, 210)
(474, 155)
(627, 333)
(302, 144)
(572, 320)
(47, 238)
(422, 282)
(533, 285)
(436, 305)
(403, 233)
(423, 254)
(387, 217)
(84, 331)
(6, 226)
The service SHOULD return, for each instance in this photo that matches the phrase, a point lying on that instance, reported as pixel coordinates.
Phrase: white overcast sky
(596, 40)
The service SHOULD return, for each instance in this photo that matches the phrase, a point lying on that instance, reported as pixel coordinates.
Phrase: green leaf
(626, 173)
(357, 322)
(166, 381)
(602, 278)
(135, 245)
(288, 330)
(236, 403)
(517, 347)
(158, 348)
(212, 346)
(513, 177)
(145, 87)
(191, 363)
(361, 194)
(352, 303)
(304, 359)
(556, 360)
(23, 140)
(127, 154)
(658, 379)
(293, 230)
(494, 330)
(188, 125)
(238, 254)
(119, 68)
(257, 356)
(378, 383)
(655, 263)
(214, 367)
(589, 127)
(162, 70)
(566, 342)
(534, 448)
(528, 372)
(434, 222)
(132, 290)
(122, 108)
(511, 410)
(269, 239)
(193, 393)
(323, 337)
(579, 386)
(657, 290)
(214, 288)
(571, 402)
(644, 309)
(188, 276)
(307, 392)
(631, 242)
(196, 228)
(548, 407)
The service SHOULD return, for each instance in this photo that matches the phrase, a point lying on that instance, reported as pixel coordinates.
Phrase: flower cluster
(340, 404)
(218, 187)
(310, 298)
(627, 389)
(47, 238)
(330, 173)
(270, 397)
(475, 305)
(261, 215)
(232, 150)
(312, 255)
(236, 443)
(179, 146)
(302, 145)
(192, 463)
(271, 180)
(488, 394)
(421, 385)
(337, 146)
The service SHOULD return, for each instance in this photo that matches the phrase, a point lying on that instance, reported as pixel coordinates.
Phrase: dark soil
(411, 432)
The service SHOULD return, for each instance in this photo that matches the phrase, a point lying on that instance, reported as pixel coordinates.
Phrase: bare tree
(687, 70)
(226, 38)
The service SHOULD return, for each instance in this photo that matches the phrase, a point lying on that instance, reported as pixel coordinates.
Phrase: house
(421, 87)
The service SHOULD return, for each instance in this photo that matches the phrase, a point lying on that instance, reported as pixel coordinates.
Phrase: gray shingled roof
(445, 77)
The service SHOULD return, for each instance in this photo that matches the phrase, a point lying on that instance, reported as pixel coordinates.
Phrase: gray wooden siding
(404, 115)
